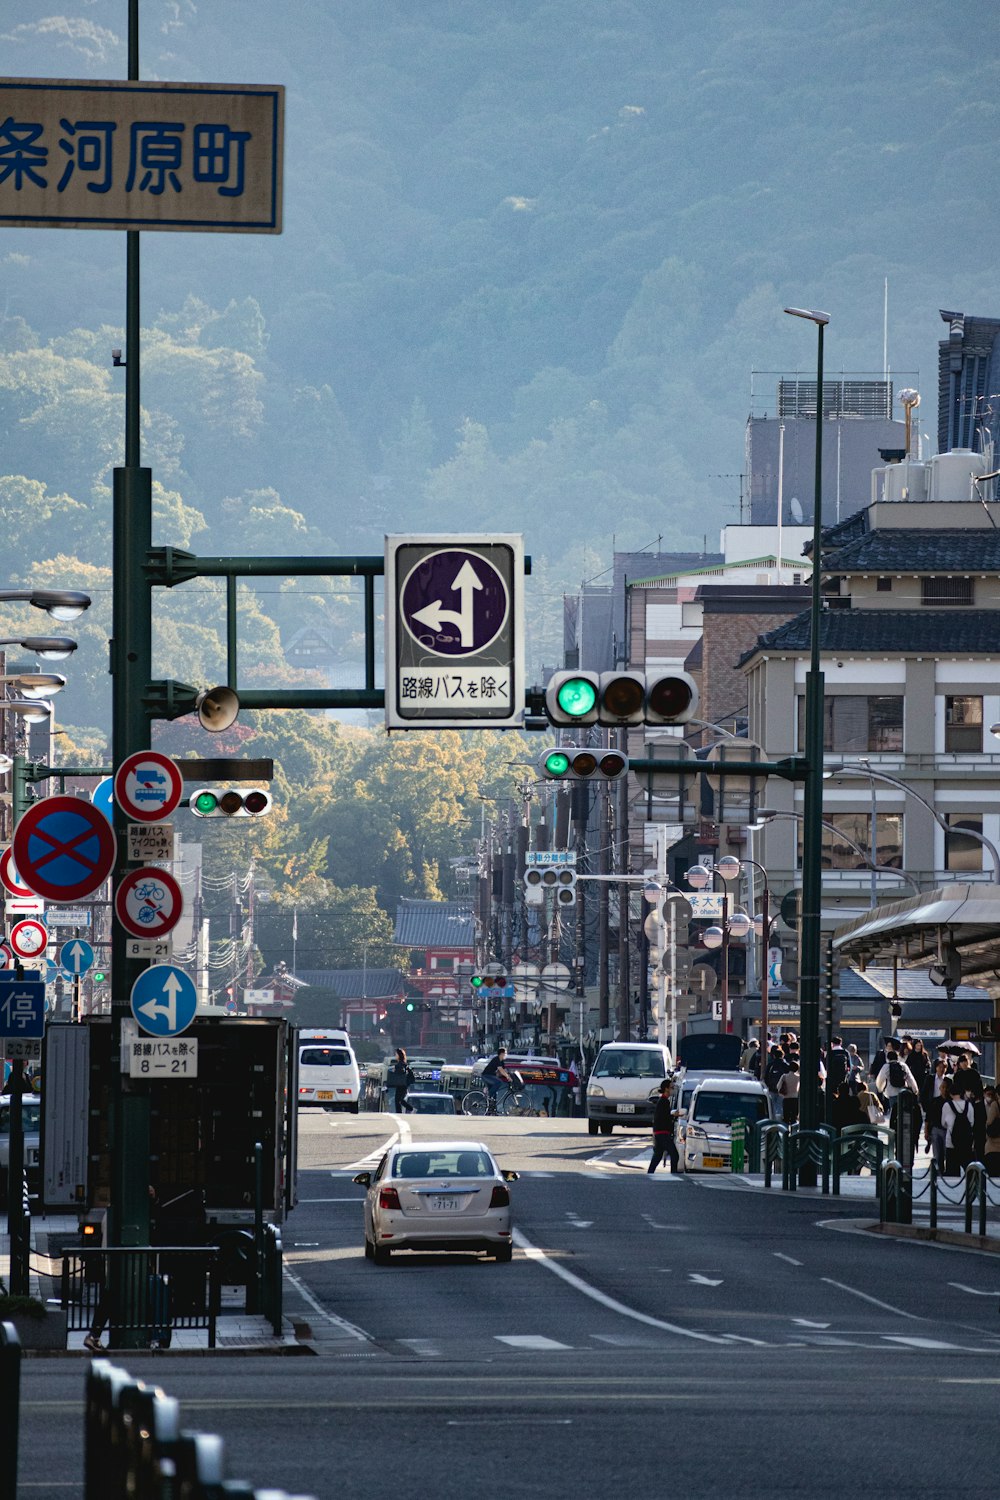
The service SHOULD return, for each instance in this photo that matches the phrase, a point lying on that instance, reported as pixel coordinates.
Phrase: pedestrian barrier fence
(10, 1400)
(143, 1289)
(857, 1146)
(272, 1280)
(135, 1449)
(974, 1192)
(738, 1151)
(860, 1146)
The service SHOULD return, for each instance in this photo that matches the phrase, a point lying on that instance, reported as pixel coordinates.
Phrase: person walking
(958, 1119)
(788, 1092)
(932, 1098)
(400, 1079)
(663, 1130)
(991, 1156)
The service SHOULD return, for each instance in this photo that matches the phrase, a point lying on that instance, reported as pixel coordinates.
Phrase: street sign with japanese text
(76, 154)
(705, 904)
(151, 843)
(22, 1009)
(164, 1057)
(454, 631)
(550, 857)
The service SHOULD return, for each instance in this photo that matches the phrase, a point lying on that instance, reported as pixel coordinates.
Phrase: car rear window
(324, 1057)
(442, 1164)
(724, 1108)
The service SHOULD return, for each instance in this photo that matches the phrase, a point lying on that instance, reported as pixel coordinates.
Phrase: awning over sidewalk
(962, 917)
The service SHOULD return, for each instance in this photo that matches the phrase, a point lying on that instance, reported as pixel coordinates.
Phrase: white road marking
(886, 1306)
(895, 1338)
(696, 1276)
(403, 1134)
(350, 1329)
(739, 1338)
(972, 1291)
(808, 1323)
(529, 1341)
(504, 1417)
(778, 1256)
(425, 1347)
(576, 1223)
(533, 1253)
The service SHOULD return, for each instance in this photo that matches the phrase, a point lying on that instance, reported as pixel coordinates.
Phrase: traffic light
(410, 1006)
(558, 878)
(486, 982)
(227, 802)
(572, 764)
(621, 698)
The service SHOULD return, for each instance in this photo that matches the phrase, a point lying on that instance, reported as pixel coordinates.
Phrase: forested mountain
(532, 252)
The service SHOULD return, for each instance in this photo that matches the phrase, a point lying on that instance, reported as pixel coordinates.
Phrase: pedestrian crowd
(948, 1101)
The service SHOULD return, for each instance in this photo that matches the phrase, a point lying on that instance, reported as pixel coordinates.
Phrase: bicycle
(486, 1102)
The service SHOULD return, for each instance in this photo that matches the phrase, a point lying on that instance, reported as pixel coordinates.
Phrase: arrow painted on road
(703, 1280)
(466, 582)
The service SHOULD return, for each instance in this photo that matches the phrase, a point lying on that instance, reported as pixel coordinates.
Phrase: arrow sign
(164, 1000)
(76, 957)
(434, 615)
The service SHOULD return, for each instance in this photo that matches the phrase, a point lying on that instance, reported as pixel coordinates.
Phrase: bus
(549, 1086)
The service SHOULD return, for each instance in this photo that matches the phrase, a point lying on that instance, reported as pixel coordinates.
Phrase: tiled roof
(375, 984)
(434, 924)
(842, 532)
(913, 551)
(906, 984)
(923, 632)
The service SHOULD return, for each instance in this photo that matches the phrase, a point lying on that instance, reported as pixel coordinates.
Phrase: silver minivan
(625, 1084)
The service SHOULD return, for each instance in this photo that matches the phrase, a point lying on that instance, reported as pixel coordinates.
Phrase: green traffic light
(99, 977)
(556, 764)
(576, 697)
(409, 1005)
(477, 980)
(205, 803)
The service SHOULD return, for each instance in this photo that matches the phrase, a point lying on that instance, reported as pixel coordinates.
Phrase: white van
(328, 1071)
(705, 1127)
(625, 1084)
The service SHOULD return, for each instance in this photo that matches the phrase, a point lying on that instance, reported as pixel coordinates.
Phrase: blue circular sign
(164, 1000)
(103, 797)
(76, 956)
(454, 602)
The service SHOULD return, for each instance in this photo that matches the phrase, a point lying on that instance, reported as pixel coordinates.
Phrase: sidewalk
(236, 1330)
(861, 1191)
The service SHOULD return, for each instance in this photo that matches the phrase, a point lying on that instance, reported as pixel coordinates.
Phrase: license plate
(715, 1161)
(626, 1109)
(325, 1094)
(442, 1204)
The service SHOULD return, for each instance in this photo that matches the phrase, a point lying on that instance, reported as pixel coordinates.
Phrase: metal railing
(973, 1191)
(772, 1143)
(142, 1289)
(271, 1279)
(134, 1448)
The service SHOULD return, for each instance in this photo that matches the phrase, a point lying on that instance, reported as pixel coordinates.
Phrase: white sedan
(437, 1195)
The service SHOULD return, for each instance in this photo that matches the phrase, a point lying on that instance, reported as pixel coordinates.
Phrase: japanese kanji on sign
(131, 155)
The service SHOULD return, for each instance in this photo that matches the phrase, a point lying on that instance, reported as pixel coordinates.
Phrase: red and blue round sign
(148, 786)
(64, 848)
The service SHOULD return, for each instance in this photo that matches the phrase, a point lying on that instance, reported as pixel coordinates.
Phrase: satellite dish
(795, 510)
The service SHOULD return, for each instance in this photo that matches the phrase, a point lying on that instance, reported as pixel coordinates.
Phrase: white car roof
(452, 1145)
(740, 1083)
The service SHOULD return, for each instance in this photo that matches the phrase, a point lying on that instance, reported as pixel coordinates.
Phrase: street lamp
(863, 768)
(58, 604)
(737, 925)
(48, 647)
(812, 843)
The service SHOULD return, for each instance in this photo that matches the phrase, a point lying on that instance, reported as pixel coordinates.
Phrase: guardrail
(144, 1289)
(772, 1143)
(135, 1449)
(971, 1191)
(10, 1405)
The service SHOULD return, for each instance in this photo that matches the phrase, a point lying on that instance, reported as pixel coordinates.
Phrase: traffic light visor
(576, 697)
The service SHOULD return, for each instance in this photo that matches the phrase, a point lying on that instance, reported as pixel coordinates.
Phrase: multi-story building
(968, 375)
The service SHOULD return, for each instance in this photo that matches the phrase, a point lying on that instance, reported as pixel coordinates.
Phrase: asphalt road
(677, 1335)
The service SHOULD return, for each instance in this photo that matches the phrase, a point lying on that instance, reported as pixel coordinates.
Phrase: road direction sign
(148, 902)
(128, 155)
(64, 847)
(9, 877)
(22, 1008)
(705, 904)
(148, 786)
(103, 796)
(70, 916)
(29, 938)
(76, 956)
(164, 1000)
(454, 631)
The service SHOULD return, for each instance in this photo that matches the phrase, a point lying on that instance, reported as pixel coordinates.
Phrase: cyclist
(496, 1079)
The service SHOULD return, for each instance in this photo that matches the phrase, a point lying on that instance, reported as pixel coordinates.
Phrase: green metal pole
(812, 840)
(131, 669)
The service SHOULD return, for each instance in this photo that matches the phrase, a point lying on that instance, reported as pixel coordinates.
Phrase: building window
(963, 724)
(849, 829)
(883, 586)
(855, 725)
(962, 851)
(947, 591)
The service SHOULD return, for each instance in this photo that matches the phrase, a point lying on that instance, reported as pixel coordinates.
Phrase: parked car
(437, 1195)
(705, 1128)
(31, 1114)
